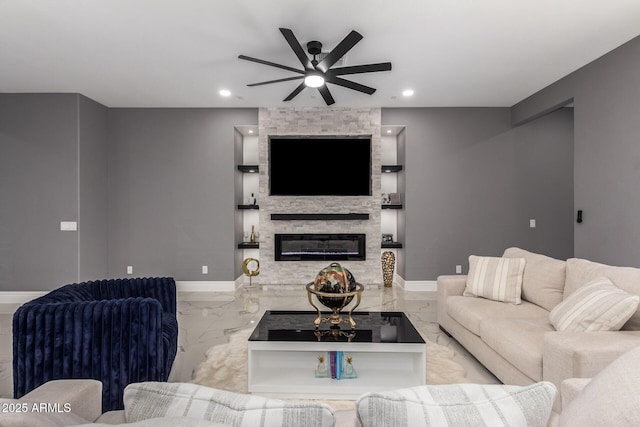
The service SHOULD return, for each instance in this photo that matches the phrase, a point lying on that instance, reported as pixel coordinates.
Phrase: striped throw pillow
(495, 278)
(158, 400)
(599, 305)
(458, 405)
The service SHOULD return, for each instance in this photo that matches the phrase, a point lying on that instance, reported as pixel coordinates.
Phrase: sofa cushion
(458, 405)
(155, 399)
(494, 278)
(162, 422)
(611, 398)
(597, 306)
(470, 311)
(544, 277)
(582, 271)
(24, 413)
(519, 341)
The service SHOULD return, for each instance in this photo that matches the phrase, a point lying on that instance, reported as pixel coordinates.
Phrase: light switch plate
(68, 226)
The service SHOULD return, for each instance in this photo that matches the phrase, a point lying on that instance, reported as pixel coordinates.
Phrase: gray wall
(38, 189)
(171, 191)
(151, 188)
(473, 182)
(93, 148)
(160, 184)
(606, 96)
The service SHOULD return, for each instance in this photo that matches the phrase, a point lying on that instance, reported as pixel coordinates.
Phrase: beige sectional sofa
(611, 398)
(517, 342)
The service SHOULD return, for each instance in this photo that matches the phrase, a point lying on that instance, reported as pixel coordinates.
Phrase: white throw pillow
(459, 405)
(163, 422)
(495, 278)
(597, 306)
(155, 399)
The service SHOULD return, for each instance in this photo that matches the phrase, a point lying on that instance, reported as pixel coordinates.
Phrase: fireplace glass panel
(320, 247)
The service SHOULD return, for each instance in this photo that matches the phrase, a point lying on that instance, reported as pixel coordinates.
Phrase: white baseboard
(20, 297)
(399, 280)
(205, 286)
(421, 285)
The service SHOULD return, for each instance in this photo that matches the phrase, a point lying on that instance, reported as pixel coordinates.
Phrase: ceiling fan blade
(295, 92)
(297, 48)
(326, 95)
(350, 85)
(357, 69)
(277, 81)
(272, 64)
(338, 52)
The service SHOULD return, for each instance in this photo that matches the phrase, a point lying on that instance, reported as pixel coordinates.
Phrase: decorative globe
(335, 279)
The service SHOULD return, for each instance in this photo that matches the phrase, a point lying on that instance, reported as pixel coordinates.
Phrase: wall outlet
(129, 269)
(205, 269)
(532, 223)
(458, 269)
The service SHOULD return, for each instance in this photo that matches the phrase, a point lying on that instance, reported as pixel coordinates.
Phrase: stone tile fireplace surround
(321, 121)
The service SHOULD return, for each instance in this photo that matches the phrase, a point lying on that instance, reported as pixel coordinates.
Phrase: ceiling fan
(317, 73)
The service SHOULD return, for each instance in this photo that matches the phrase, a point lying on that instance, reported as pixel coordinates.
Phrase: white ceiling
(180, 53)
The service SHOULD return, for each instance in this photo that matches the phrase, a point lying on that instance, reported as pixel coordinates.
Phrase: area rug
(225, 367)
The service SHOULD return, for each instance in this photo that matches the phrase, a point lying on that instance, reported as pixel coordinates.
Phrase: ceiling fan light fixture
(314, 80)
(316, 72)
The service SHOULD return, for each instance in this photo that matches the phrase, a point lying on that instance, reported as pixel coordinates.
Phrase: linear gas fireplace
(320, 247)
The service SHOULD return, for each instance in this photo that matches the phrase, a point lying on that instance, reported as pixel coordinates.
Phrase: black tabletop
(371, 327)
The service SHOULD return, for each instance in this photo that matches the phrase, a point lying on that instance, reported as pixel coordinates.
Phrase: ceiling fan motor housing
(314, 47)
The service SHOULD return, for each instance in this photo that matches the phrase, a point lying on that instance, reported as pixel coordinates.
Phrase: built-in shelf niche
(248, 245)
(249, 168)
(391, 245)
(391, 169)
(248, 210)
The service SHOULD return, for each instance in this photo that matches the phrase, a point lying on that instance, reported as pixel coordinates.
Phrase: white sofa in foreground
(557, 329)
(611, 398)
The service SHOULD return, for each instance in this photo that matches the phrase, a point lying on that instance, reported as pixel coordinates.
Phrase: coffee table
(386, 349)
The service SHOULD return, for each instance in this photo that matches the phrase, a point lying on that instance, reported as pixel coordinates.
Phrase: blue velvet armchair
(117, 331)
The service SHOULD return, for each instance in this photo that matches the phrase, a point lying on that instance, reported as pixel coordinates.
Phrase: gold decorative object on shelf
(349, 370)
(335, 287)
(388, 264)
(252, 238)
(251, 267)
(321, 368)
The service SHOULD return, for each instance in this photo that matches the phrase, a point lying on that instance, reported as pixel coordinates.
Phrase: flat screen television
(320, 166)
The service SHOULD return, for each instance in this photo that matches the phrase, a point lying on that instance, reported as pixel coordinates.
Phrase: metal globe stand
(335, 318)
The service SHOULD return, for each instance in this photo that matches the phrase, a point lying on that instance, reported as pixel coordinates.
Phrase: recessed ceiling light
(224, 92)
(250, 130)
(388, 130)
(407, 92)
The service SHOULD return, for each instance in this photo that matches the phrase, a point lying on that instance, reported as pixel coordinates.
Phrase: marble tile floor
(207, 318)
